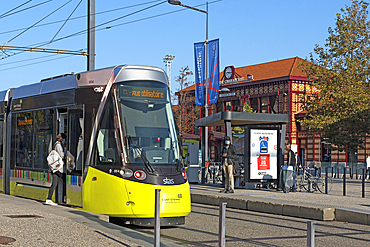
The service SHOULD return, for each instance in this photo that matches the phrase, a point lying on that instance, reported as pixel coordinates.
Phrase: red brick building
(277, 88)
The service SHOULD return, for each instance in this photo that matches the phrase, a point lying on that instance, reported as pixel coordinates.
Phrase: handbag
(54, 160)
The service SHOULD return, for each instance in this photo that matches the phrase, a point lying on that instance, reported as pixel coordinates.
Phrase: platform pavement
(62, 226)
(315, 206)
(66, 226)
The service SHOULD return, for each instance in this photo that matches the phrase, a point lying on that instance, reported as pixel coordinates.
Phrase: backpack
(71, 164)
(54, 160)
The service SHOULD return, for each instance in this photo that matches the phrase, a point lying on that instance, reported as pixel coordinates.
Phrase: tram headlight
(140, 175)
(125, 173)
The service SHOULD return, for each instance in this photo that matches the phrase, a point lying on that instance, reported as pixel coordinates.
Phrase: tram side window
(106, 142)
(24, 133)
(43, 137)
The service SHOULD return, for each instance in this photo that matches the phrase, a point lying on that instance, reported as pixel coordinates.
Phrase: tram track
(186, 242)
(246, 228)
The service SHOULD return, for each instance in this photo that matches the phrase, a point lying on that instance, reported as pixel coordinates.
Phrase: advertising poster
(263, 154)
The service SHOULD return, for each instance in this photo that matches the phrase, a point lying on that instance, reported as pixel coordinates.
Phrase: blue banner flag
(199, 54)
(214, 71)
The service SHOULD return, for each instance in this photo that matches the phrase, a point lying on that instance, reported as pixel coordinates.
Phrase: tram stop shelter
(264, 142)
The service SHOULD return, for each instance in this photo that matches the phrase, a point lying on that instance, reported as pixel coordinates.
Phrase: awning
(242, 118)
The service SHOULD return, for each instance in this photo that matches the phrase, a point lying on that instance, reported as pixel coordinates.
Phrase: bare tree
(183, 111)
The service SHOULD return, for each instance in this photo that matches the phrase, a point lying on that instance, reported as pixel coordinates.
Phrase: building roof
(275, 69)
(265, 71)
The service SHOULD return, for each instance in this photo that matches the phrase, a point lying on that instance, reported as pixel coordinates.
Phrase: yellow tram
(122, 143)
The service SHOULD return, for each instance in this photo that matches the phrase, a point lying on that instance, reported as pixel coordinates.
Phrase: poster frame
(247, 153)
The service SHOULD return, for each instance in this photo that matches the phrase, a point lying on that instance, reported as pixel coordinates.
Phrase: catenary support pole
(91, 35)
(363, 183)
(311, 233)
(157, 219)
(221, 229)
(344, 180)
(326, 180)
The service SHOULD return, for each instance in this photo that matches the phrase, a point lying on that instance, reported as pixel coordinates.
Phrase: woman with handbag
(57, 174)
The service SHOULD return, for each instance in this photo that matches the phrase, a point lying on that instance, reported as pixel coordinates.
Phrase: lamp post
(177, 2)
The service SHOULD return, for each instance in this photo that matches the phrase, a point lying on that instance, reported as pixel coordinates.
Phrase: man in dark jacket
(228, 160)
(291, 161)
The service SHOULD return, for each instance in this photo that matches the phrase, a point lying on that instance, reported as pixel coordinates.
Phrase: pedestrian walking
(228, 161)
(367, 166)
(291, 161)
(57, 174)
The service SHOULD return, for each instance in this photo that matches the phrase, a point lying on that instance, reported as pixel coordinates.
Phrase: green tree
(239, 130)
(339, 109)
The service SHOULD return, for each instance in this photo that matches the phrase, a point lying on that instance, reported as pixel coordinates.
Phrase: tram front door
(71, 123)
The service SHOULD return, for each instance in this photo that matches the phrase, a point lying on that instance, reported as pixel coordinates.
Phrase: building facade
(276, 87)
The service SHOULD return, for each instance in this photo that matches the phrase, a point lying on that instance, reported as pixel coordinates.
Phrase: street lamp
(168, 60)
(177, 2)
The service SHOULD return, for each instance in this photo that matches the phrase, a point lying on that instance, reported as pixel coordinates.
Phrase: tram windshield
(148, 123)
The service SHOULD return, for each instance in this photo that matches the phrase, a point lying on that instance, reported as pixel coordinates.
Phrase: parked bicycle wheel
(321, 184)
(302, 183)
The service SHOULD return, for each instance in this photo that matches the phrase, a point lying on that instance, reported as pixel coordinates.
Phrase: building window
(264, 104)
(236, 105)
(273, 105)
(254, 104)
(228, 106)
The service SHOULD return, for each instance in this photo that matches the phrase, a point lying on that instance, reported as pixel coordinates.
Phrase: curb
(322, 214)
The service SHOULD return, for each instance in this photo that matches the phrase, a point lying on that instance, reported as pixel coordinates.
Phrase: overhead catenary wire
(79, 17)
(28, 59)
(100, 29)
(104, 29)
(21, 66)
(25, 9)
(15, 8)
(64, 23)
(37, 22)
(85, 30)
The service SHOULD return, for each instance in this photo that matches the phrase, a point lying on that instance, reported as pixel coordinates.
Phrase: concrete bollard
(221, 228)
(157, 219)
(311, 233)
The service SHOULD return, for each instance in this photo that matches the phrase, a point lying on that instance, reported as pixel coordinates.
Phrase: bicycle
(305, 181)
(213, 172)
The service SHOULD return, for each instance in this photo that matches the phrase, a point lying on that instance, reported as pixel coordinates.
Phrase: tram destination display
(143, 93)
(263, 154)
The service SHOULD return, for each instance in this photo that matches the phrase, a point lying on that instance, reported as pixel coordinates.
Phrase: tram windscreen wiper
(147, 164)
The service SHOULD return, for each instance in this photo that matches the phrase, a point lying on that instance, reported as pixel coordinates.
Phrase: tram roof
(3, 95)
(242, 118)
(98, 77)
(58, 84)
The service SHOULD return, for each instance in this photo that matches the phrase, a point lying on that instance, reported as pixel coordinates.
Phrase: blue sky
(250, 32)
